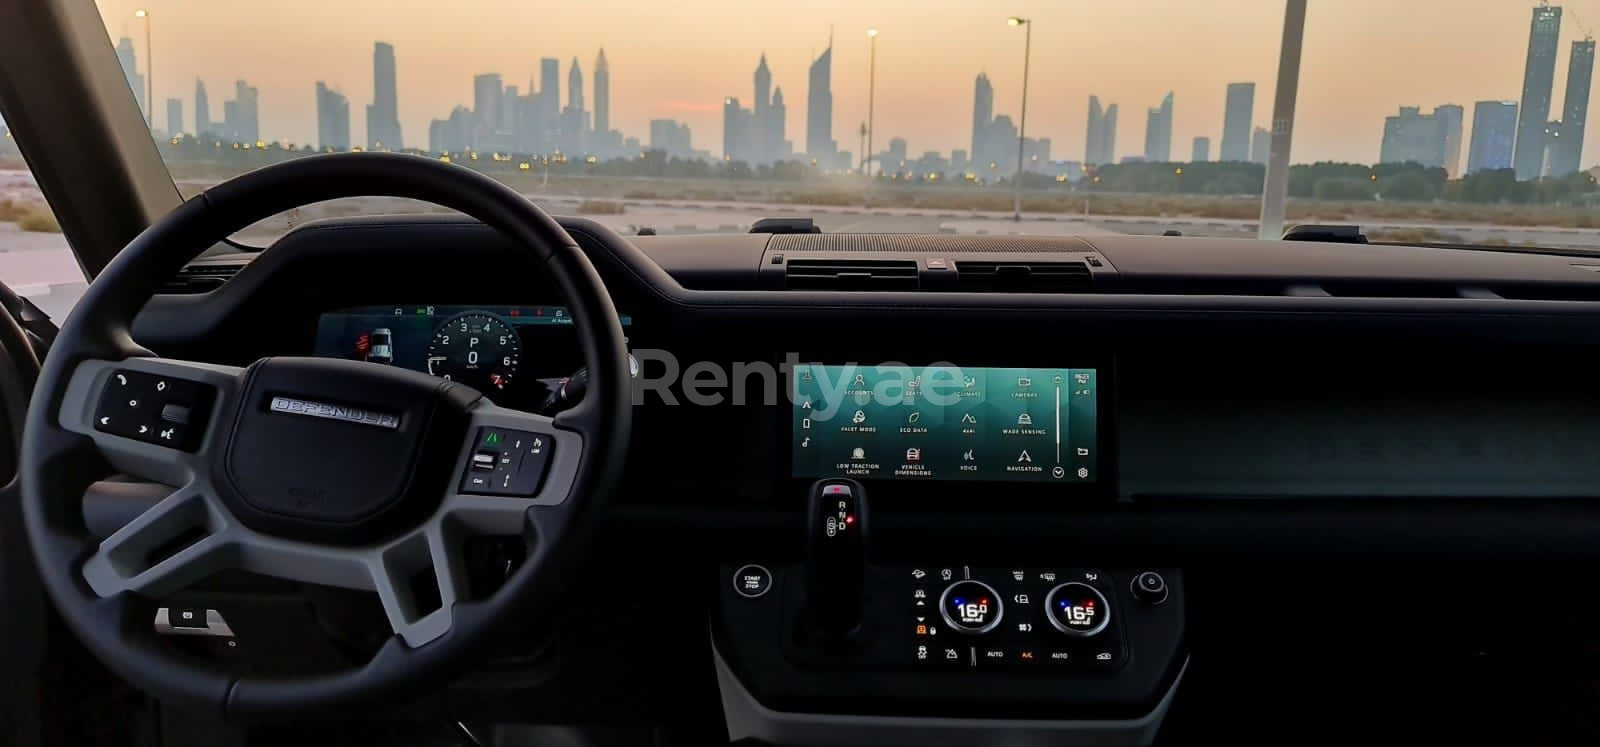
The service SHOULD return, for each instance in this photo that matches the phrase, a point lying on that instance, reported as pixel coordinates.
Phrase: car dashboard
(1108, 478)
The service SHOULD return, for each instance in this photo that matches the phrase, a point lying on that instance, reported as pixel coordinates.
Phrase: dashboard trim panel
(747, 718)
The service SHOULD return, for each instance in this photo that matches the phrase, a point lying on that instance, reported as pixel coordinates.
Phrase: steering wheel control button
(1077, 609)
(507, 462)
(1150, 588)
(197, 621)
(752, 581)
(175, 413)
(156, 409)
(188, 617)
(971, 607)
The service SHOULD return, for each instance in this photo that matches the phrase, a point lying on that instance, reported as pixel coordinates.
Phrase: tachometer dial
(475, 348)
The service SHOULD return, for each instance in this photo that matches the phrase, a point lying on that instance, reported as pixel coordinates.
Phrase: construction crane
(1576, 21)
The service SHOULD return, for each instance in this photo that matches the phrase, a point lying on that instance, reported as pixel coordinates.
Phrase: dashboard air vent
(200, 278)
(1025, 277)
(851, 274)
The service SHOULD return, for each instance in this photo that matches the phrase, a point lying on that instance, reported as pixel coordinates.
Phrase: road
(40, 266)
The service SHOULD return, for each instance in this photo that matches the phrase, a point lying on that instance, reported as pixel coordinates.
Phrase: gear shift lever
(836, 556)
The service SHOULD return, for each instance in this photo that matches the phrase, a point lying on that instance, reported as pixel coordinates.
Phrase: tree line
(1349, 182)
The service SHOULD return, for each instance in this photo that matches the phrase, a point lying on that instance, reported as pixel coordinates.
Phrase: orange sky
(1363, 59)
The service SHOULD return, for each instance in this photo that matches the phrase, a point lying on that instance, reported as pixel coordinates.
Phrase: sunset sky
(1363, 59)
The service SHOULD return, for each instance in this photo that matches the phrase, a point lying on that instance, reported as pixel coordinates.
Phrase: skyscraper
(242, 114)
(1236, 119)
(1450, 117)
(174, 117)
(487, 93)
(575, 87)
(671, 137)
(1100, 147)
(508, 111)
(130, 70)
(574, 119)
(1566, 153)
(1414, 137)
(451, 135)
(819, 108)
(602, 94)
(1202, 150)
(333, 119)
(202, 110)
(735, 131)
(550, 86)
(766, 133)
(1260, 145)
(383, 114)
(778, 145)
(1538, 79)
(1158, 132)
(547, 109)
(1002, 148)
(763, 80)
(1494, 130)
(982, 115)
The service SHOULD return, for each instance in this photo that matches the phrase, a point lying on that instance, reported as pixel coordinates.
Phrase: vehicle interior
(493, 476)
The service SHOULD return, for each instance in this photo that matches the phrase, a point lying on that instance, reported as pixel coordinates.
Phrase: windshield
(1424, 121)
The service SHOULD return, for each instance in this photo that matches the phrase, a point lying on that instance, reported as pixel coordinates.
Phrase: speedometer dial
(475, 348)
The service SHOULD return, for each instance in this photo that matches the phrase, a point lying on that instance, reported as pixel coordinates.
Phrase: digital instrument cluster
(946, 423)
(519, 356)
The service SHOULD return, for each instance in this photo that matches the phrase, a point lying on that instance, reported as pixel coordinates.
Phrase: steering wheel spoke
(178, 541)
(419, 579)
(511, 464)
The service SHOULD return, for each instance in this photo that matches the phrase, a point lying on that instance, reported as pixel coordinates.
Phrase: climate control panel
(1011, 618)
(955, 639)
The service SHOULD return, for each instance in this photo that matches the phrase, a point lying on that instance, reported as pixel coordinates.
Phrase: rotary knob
(971, 607)
(1077, 609)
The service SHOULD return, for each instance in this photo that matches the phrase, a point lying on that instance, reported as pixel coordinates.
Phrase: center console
(857, 643)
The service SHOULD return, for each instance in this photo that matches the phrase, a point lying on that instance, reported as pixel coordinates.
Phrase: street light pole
(1022, 120)
(872, 96)
(1275, 187)
(149, 72)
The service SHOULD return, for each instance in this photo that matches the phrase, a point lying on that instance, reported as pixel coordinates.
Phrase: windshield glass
(1421, 121)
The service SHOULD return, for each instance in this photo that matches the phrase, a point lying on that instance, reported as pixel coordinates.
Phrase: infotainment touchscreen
(945, 423)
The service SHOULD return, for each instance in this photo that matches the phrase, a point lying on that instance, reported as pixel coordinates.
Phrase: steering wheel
(333, 472)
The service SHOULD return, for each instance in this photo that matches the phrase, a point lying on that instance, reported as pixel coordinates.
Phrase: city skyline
(911, 82)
